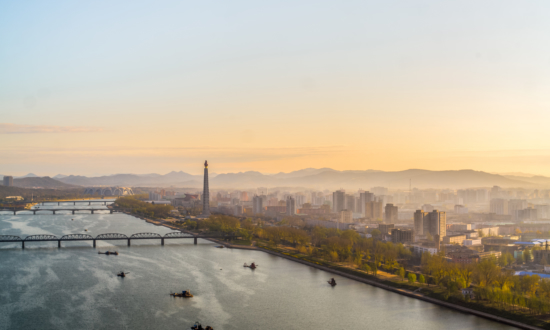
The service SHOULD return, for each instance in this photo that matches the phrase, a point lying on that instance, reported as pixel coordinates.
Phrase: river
(43, 287)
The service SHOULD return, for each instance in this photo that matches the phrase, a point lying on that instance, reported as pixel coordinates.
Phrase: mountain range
(323, 178)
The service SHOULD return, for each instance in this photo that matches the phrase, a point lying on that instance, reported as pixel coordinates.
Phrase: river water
(43, 287)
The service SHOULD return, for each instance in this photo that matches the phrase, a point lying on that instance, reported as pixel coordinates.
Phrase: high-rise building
(364, 198)
(498, 206)
(290, 206)
(435, 223)
(205, 193)
(419, 222)
(8, 181)
(515, 205)
(379, 190)
(257, 205)
(338, 201)
(390, 215)
(350, 203)
(300, 200)
(373, 210)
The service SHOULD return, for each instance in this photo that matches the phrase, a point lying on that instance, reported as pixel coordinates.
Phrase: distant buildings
(290, 206)
(402, 236)
(257, 205)
(346, 216)
(154, 196)
(461, 209)
(338, 201)
(498, 205)
(432, 223)
(373, 210)
(8, 181)
(514, 206)
(364, 198)
(390, 215)
(386, 228)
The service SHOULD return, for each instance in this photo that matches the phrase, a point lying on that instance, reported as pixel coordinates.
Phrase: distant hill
(132, 180)
(41, 182)
(37, 194)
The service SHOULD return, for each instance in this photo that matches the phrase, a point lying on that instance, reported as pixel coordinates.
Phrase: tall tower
(205, 193)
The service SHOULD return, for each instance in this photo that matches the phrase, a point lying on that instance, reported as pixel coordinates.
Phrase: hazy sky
(100, 87)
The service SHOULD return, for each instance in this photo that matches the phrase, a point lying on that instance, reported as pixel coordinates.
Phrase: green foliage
(412, 278)
(421, 279)
(142, 208)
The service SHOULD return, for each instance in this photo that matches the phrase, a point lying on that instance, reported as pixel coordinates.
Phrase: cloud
(7, 128)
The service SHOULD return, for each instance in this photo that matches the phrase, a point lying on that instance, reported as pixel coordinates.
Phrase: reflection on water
(43, 287)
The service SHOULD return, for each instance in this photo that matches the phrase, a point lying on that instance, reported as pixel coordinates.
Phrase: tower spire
(205, 193)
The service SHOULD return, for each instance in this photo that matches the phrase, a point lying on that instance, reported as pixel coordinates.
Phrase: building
(290, 206)
(419, 222)
(461, 209)
(454, 239)
(364, 198)
(419, 249)
(459, 227)
(469, 242)
(338, 201)
(385, 228)
(154, 196)
(435, 223)
(346, 216)
(257, 205)
(205, 193)
(275, 210)
(514, 206)
(402, 235)
(350, 203)
(527, 214)
(390, 215)
(238, 210)
(373, 210)
(498, 206)
(8, 181)
(543, 211)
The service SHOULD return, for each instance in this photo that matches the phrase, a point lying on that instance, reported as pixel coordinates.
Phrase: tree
(412, 278)
(366, 268)
(402, 273)
(527, 255)
(486, 272)
(375, 233)
(421, 279)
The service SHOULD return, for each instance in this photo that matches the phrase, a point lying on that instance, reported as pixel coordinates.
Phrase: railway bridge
(107, 237)
(15, 211)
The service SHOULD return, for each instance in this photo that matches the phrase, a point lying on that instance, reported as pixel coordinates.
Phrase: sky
(104, 87)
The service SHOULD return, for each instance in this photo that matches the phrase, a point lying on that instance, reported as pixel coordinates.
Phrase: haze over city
(223, 165)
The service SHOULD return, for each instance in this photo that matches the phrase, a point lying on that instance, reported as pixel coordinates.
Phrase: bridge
(105, 237)
(74, 202)
(109, 191)
(111, 211)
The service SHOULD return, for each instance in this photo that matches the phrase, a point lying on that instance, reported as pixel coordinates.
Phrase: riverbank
(362, 279)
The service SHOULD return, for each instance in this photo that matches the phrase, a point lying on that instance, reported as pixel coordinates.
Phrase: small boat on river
(109, 253)
(220, 246)
(122, 274)
(198, 326)
(251, 266)
(183, 294)
(332, 282)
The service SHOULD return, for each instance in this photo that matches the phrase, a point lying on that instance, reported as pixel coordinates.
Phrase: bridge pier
(162, 241)
(58, 203)
(33, 212)
(89, 203)
(92, 211)
(53, 211)
(128, 242)
(111, 211)
(73, 211)
(74, 203)
(23, 244)
(59, 244)
(195, 240)
(14, 212)
(94, 243)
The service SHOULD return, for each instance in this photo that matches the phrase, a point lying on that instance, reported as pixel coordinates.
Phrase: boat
(220, 246)
(198, 326)
(122, 274)
(251, 266)
(85, 229)
(332, 282)
(109, 253)
(183, 294)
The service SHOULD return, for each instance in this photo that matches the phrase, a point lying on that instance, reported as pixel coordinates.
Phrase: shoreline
(377, 284)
